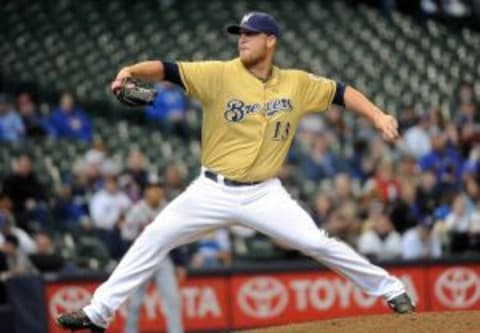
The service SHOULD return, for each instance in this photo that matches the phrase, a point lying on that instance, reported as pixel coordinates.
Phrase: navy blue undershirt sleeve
(339, 94)
(172, 73)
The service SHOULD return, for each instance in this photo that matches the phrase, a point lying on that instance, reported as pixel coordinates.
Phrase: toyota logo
(262, 297)
(69, 299)
(458, 287)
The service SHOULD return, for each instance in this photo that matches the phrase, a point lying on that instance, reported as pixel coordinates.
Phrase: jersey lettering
(277, 105)
(236, 110)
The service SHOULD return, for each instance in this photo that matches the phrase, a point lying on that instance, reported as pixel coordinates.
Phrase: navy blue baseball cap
(256, 22)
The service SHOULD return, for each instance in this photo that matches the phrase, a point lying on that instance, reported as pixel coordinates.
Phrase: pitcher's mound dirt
(426, 322)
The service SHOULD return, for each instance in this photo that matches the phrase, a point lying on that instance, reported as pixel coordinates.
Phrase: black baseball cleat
(78, 320)
(401, 304)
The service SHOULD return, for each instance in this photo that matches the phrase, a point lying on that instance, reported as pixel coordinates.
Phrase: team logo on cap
(246, 18)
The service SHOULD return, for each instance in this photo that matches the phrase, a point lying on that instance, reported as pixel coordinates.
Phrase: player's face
(254, 46)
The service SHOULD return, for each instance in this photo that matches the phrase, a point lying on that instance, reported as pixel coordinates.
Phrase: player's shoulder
(207, 64)
(293, 73)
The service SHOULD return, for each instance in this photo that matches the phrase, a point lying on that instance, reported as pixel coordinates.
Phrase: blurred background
(73, 161)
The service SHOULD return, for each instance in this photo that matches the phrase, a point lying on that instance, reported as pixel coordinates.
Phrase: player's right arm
(200, 79)
(149, 71)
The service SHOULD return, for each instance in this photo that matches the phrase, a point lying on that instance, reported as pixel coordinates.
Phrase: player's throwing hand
(387, 125)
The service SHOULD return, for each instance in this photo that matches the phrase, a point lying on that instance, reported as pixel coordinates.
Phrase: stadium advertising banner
(253, 300)
(454, 287)
(291, 297)
(204, 303)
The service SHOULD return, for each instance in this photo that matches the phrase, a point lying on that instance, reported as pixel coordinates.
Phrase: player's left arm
(386, 124)
(318, 93)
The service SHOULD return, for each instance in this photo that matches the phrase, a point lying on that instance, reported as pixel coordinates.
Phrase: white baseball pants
(206, 205)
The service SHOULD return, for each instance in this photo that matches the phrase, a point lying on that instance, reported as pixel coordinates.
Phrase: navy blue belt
(230, 182)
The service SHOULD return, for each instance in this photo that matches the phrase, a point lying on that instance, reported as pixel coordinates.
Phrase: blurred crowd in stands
(454, 13)
(418, 198)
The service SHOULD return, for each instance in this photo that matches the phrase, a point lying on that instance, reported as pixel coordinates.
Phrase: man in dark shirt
(46, 259)
(27, 193)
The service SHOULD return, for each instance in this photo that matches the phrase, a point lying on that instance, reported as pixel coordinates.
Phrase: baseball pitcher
(251, 110)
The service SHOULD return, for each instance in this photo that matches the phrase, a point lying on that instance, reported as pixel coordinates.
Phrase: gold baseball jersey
(248, 125)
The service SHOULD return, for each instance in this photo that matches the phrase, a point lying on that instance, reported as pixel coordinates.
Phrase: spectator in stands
(310, 126)
(365, 131)
(322, 208)
(213, 250)
(427, 196)
(475, 229)
(437, 120)
(469, 144)
(472, 187)
(169, 110)
(358, 158)
(342, 228)
(46, 259)
(107, 209)
(7, 227)
(374, 151)
(459, 223)
(417, 138)
(403, 211)
(342, 187)
(70, 212)
(444, 160)
(174, 176)
(144, 211)
(371, 209)
(384, 184)
(6, 204)
(335, 122)
(135, 177)
(465, 94)
(70, 121)
(407, 118)
(452, 135)
(81, 186)
(18, 263)
(28, 195)
(422, 241)
(91, 168)
(35, 125)
(465, 98)
(381, 242)
(110, 167)
(11, 125)
(321, 163)
(407, 168)
(351, 212)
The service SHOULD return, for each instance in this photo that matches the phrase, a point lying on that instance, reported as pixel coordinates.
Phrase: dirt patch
(426, 322)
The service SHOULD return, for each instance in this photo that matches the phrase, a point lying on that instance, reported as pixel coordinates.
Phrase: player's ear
(271, 41)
